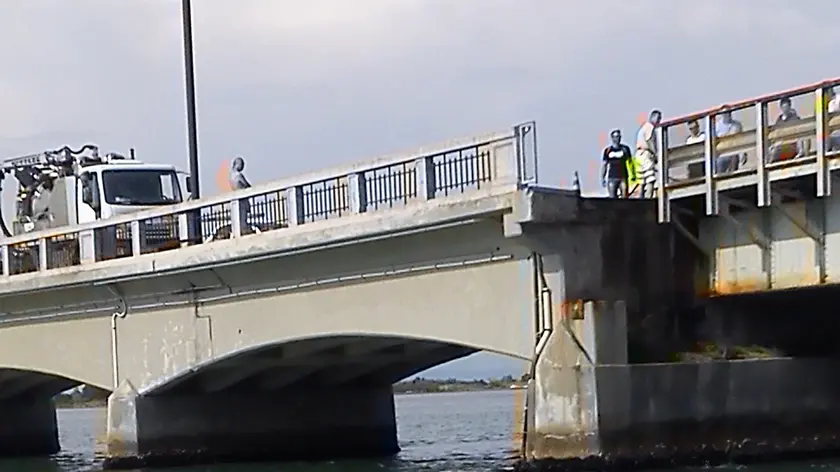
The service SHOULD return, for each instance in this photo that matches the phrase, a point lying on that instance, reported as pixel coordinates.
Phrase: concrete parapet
(28, 427)
(295, 424)
(687, 412)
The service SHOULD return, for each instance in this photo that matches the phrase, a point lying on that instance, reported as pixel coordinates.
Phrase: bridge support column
(176, 429)
(28, 428)
(565, 423)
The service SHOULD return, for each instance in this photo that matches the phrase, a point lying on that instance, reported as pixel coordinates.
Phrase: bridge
(272, 322)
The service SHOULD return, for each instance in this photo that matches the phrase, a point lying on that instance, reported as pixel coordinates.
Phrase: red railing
(802, 89)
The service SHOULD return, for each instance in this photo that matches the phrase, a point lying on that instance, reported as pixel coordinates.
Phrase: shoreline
(71, 404)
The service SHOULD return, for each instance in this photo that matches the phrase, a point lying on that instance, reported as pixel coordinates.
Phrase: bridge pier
(614, 379)
(28, 427)
(175, 429)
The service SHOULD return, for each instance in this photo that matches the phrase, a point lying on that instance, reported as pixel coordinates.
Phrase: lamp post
(189, 83)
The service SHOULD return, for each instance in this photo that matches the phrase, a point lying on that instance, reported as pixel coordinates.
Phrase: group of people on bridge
(630, 172)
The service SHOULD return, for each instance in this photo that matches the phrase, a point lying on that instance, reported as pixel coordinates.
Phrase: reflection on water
(445, 432)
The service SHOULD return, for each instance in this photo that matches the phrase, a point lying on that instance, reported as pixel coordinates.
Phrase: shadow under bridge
(350, 360)
(19, 384)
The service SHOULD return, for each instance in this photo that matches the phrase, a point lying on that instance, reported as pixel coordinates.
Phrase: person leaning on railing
(831, 103)
(724, 126)
(784, 150)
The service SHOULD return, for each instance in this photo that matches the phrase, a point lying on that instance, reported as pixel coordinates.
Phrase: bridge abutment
(618, 381)
(28, 427)
(328, 423)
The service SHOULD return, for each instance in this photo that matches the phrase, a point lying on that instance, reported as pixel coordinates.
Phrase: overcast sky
(293, 86)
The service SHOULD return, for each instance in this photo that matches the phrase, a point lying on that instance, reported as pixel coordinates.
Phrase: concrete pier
(170, 430)
(593, 409)
(28, 427)
(606, 390)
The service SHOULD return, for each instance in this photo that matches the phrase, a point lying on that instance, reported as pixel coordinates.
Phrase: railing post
(711, 189)
(526, 172)
(763, 190)
(237, 218)
(42, 254)
(823, 172)
(4, 253)
(425, 178)
(136, 238)
(662, 202)
(294, 197)
(87, 246)
(184, 228)
(358, 195)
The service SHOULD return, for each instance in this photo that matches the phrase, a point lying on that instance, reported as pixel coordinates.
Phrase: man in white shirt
(694, 134)
(646, 154)
(726, 125)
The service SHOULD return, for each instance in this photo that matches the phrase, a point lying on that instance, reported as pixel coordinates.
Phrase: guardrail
(432, 172)
(760, 153)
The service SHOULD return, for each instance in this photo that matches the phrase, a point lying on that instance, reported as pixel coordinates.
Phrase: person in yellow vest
(634, 172)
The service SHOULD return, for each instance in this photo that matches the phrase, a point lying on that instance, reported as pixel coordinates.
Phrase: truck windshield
(141, 187)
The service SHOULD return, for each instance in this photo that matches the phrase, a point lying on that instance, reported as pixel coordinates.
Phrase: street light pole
(189, 83)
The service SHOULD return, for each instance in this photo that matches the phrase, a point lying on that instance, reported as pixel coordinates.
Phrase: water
(442, 432)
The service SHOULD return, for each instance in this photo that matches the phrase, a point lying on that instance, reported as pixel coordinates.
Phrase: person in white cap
(646, 154)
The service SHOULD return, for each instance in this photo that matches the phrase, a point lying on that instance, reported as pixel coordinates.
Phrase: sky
(298, 86)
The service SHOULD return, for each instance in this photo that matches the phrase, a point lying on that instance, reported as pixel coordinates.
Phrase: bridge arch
(329, 360)
(484, 306)
(17, 383)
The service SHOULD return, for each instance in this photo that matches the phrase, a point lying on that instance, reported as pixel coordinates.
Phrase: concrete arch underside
(314, 363)
(21, 385)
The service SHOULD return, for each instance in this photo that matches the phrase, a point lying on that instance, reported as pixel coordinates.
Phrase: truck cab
(117, 188)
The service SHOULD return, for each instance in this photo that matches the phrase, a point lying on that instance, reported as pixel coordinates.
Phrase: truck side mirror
(189, 185)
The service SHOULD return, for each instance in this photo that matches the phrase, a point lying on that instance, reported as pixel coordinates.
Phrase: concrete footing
(28, 428)
(592, 410)
(289, 425)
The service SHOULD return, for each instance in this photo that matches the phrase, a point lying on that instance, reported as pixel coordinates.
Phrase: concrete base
(28, 428)
(687, 413)
(176, 430)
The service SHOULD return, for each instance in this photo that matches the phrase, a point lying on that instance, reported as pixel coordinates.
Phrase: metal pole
(189, 82)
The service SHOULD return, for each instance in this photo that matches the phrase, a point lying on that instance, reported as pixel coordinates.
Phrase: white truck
(66, 187)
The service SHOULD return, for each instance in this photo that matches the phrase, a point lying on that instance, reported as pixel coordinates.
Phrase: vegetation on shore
(88, 397)
(422, 385)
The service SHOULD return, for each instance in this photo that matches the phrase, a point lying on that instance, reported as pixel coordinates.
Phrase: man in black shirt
(617, 159)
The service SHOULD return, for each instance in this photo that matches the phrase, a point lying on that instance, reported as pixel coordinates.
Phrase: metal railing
(749, 144)
(433, 172)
